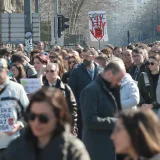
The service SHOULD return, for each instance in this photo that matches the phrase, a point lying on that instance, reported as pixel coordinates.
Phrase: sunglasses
(70, 62)
(42, 118)
(51, 71)
(52, 57)
(150, 63)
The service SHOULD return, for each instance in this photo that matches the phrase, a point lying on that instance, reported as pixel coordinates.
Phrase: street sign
(13, 28)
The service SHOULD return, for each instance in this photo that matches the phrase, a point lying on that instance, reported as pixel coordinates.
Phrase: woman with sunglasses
(73, 60)
(137, 134)
(47, 136)
(147, 83)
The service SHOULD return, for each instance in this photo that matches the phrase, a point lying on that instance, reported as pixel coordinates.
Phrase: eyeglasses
(13, 70)
(52, 57)
(70, 62)
(51, 71)
(150, 63)
(86, 56)
(42, 118)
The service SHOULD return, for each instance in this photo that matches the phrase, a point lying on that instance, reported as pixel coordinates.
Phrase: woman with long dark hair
(18, 71)
(137, 133)
(47, 136)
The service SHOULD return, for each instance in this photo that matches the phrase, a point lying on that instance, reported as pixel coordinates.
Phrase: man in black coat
(81, 76)
(99, 103)
(53, 80)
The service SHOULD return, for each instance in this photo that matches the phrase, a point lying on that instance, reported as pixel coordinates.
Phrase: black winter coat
(80, 78)
(68, 94)
(98, 106)
(64, 147)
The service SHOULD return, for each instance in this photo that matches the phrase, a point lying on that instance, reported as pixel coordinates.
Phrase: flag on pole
(98, 26)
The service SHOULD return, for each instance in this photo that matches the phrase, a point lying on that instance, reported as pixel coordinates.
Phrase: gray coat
(98, 108)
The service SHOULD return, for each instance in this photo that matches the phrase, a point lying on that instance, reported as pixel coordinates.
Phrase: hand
(16, 127)
(41, 71)
(147, 106)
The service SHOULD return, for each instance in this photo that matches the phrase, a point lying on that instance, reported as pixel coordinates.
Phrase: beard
(87, 62)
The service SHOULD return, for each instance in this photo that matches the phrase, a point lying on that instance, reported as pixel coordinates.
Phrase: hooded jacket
(129, 92)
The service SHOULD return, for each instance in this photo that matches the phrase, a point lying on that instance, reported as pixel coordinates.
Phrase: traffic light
(62, 24)
(64, 20)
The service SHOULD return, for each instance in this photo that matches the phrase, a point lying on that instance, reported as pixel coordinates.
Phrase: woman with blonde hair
(137, 133)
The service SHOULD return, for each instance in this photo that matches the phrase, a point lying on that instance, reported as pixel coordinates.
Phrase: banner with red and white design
(98, 26)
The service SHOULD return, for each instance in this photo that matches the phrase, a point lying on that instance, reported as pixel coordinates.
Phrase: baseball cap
(3, 63)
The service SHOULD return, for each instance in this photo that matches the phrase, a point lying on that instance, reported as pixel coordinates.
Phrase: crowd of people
(94, 104)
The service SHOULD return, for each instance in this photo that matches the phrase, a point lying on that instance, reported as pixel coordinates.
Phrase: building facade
(11, 6)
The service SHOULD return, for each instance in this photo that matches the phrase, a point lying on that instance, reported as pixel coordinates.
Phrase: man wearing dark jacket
(81, 76)
(140, 66)
(54, 81)
(99, 103)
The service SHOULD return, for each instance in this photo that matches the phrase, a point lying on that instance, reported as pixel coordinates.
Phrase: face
(153, 64)
(53, 57)
(51, 73)
(15, 72)
(138, 58)
(118, 52)
(3, 75)
(121, 139)
(20, 47)
(87, 58)
(38, 128)
(40, 46)
(127, 57)
(115, 80)
(71, 61)
(37, 64)
(65, 60)
(100, 62)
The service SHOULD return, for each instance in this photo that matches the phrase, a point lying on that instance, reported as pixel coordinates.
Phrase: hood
(126, 79)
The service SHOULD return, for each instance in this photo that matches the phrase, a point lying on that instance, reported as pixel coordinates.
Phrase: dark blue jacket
(80, 78)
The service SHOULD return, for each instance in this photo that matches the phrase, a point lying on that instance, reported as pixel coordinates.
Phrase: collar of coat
(59, 84)
(100, 80)
(96, 67)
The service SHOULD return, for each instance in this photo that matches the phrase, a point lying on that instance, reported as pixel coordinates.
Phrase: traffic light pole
(56, 20)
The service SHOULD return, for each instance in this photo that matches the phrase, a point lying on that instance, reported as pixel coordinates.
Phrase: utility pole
(28, 25)
(56, 20)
